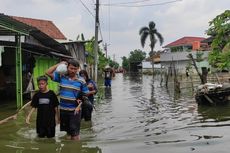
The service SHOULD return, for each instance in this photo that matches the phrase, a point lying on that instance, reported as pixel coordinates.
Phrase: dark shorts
(87, 109)
(48, 132)
(70, 123)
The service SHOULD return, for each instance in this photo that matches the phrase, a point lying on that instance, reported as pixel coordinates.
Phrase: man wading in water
(70, 89)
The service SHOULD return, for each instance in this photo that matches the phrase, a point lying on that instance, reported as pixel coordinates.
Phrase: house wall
(77, 51)
(180, 65)
(181, 60)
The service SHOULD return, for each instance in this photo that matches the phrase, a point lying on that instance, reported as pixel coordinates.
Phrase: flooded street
(136, 115)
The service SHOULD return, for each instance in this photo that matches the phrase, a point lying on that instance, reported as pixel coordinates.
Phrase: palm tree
(152, 32)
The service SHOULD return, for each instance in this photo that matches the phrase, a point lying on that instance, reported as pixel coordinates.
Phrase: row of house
(27, 48)
(176, 53)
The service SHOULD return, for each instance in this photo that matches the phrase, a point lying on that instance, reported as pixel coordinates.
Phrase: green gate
(42, 64)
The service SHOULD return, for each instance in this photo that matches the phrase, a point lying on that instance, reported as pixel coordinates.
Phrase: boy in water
(46, 103)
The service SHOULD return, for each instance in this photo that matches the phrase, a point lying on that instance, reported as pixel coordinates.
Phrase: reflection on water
(136, 115)
(217, 113)
(108, 93)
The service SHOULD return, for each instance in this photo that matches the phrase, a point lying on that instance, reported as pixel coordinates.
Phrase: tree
(137, 56)
(153, 34)
(102, 60)
(219, 30)
(125, 63)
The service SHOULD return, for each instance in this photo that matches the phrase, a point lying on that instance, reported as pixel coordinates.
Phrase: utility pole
(96, 40)
(105, 48)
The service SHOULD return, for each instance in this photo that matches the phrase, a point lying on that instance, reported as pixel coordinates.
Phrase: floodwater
(136, 115)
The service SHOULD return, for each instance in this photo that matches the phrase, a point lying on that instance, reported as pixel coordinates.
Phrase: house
(26, 52)
(75, 48)
(178, 53)
(186, 44)
(77, 51)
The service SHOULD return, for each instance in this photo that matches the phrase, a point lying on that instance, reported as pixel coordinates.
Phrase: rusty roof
(46, 26)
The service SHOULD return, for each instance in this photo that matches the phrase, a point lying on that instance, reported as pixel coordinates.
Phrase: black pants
(48, 132)
(70, 122)
(87, 109)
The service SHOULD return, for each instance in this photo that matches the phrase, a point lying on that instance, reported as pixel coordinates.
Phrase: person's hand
(78, 108)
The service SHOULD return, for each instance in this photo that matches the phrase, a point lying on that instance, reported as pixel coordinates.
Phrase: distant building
(187, 44)
(177, 53)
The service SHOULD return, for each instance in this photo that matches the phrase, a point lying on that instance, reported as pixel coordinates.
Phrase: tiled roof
(184, 41)
(45, 26)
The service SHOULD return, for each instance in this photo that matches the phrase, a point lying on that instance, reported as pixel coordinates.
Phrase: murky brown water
(135, 116)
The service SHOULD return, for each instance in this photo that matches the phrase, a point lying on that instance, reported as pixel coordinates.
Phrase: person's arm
(93, 86)
(29, 115)
(50, 71)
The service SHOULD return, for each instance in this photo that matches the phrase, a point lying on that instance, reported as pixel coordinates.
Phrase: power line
(133, 2)
(109, 20)
(87, 9)
(144, 5)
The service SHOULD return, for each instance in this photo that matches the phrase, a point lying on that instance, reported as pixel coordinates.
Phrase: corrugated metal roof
(10, 26)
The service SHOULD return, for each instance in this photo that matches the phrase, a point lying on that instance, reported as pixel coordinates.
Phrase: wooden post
(18, 71)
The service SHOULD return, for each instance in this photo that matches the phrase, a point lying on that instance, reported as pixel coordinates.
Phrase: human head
(73, 67)
(83, 73)
(42, 83)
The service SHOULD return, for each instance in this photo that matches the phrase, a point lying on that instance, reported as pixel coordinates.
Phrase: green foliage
(113, 64)
(220, 31)
(199, 57)
(137, 56)
(125, 63)
(89, 48)
(102, 60)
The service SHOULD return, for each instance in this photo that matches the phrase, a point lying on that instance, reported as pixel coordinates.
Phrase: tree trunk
(152, 61)
(200, 75)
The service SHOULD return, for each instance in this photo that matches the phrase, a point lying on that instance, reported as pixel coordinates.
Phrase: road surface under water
(136, 115)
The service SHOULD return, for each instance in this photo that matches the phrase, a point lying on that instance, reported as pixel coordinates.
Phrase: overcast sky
(120, 25)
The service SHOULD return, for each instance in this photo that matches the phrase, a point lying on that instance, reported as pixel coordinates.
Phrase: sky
(120, 21)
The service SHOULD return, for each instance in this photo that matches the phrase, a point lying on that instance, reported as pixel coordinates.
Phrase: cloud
(119, 25)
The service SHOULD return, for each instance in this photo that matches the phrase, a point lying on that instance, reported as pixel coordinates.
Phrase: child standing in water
(46, 103)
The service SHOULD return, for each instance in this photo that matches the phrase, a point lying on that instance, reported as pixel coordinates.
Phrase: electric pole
(105, 48)
(96, 40)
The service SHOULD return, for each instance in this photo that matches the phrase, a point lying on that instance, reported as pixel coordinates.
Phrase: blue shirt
(70, 90)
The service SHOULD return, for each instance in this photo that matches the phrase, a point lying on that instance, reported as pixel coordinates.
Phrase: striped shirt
(70, 90)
